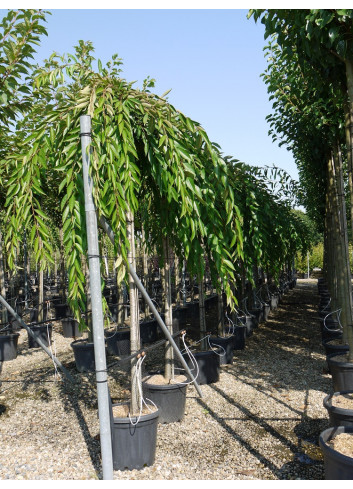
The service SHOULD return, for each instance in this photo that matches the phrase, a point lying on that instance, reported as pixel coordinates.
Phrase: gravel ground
(260, 421)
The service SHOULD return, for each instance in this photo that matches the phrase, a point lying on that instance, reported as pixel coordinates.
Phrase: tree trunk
(203, 332)
(4, 316)
(145, 270)
(41, 288)
(135, 341)
(349, 144)
(344, 286)
(62, 289)
(169, 352)
(183, 283)
(177, 280)
(220, 325)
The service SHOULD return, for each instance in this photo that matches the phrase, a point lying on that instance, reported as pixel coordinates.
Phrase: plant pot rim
(327, 402)
(6, 335)
(39, 326)
(82, 343)
(201, 352)
(162, 387)
(219, 337)
(334, 359)
(327, 340)
(334, 453)
(126, 419)
(115, 331)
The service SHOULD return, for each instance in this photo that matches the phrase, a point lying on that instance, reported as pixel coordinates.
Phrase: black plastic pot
(8, 346)
(180, 313)
(41, 331)
(84, 355)
(134, 446)
(266, 308)
(341, 371)
(208, 363)
(239, 336)
(226, 348)
(71, 328)
(338, 416)
(330, 329)
(149, 331)
(330, 355)
(193, 310)
(337, 465)
(118, 342)
(324, 312)
(62, 311)
(211, 302)
(273, 302)
(331, 348)
(170, 400)
(248, 322)
(258, 313)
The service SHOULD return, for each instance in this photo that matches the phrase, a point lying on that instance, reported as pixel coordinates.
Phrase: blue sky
(211, 59)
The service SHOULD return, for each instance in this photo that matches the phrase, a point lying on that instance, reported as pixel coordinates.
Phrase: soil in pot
(168, 396)
(133, 441)
(337, 446)
(333, 345)
(343, 443)
(340, 408)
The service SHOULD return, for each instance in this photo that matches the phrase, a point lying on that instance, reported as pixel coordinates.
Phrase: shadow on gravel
(307, 460)
(266, 462)
(70, 400)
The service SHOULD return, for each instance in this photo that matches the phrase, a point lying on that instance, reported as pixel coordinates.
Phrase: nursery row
(137, 449)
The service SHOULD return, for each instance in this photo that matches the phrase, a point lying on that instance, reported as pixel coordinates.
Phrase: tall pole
(96, 302)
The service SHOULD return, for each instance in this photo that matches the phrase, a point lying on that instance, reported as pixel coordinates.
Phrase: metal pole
(96, 301)
(38, 340)
(152, 307)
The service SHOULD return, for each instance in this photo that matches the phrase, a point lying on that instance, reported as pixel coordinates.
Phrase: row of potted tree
(150, 167)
